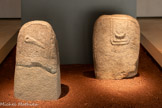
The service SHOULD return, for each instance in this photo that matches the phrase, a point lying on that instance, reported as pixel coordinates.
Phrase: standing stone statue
(116, 43)
(37, 71)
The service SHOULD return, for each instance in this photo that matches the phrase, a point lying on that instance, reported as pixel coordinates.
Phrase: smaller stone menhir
(116, 44)
(37, 71)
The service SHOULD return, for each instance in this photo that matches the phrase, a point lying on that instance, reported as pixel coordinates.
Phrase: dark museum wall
(73, 21)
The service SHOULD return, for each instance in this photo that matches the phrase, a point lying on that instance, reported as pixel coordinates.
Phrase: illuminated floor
(81, 90)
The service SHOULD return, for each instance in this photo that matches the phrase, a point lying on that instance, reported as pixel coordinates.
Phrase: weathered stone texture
(37, 71)
(116, 43)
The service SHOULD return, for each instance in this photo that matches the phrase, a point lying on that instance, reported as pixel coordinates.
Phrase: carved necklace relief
(119, 35)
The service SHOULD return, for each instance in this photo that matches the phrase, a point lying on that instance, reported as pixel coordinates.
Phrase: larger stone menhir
(116, 43)
(37, 72)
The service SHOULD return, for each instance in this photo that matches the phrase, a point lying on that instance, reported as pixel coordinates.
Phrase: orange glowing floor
(81, 90)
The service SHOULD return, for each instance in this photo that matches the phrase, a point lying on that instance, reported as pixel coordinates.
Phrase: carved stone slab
(37, 71)
(116, 43)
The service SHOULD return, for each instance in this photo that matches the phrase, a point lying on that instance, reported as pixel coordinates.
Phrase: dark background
(73, 21)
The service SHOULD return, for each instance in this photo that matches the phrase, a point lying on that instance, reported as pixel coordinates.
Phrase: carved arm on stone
(31, 40)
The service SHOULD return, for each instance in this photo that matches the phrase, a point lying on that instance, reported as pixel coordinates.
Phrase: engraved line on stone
(31, 40)
(36, 64)
(45, 25)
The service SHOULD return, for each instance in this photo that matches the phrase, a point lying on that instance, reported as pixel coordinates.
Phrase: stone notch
(37, 71)
(116, 44)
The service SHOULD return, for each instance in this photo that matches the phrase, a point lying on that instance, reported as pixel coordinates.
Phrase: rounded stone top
(36, 22)
(119, 16)
(37, 25)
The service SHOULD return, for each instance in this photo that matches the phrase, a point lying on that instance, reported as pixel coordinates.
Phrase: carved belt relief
(119, 35)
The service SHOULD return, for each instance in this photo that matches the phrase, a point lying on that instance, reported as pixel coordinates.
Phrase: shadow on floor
(89, 74)
(137, 75)
(64, 90)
